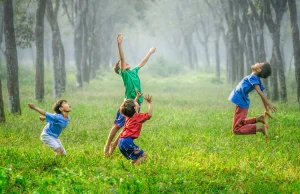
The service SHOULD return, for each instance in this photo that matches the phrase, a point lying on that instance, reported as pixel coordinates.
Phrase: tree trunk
(39, 42)
(255, 41)
(276, 47)
(84, 64)
(1, 31)
(58, 55)
(2, 115)
(274, 28)
(274, 78)
(296, 43)
(11, 59)
(78, 42)
(217, 54)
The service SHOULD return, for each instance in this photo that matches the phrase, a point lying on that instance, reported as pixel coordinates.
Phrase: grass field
(189, 142)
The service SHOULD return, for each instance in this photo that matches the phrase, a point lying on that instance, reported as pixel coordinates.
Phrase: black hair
(116, 67)
(266, 70)
(57, 105)
(127, 108)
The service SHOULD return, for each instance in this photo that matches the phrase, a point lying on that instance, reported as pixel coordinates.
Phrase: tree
(11, 59)
(258, 23)
(39, 42)
(279, 7)
(58, 53)
(218, 20)
(2, 115)
(296, 43)
(1, 31)
(85, 68)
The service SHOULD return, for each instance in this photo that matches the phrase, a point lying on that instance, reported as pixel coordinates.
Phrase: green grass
(189, 142)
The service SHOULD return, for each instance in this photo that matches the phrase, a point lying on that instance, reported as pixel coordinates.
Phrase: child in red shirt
(132, 128)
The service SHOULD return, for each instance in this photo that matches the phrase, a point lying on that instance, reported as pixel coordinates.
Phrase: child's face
(136, 107)
(257, 67)
(127, 66)
(65, 107)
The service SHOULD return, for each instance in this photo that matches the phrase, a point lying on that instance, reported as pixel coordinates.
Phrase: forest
(67, 49)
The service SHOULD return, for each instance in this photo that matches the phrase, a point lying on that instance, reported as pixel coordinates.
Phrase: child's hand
(148, 98)
(152, 50)
(272, 108)
(119, 38)
(30, 105)
(138, 94)
(42, 118)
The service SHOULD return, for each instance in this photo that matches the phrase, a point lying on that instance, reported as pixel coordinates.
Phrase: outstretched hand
(119, 38)
(148, 98)
(138, 94)
(152, 50)
(30, 105)
(272, 108)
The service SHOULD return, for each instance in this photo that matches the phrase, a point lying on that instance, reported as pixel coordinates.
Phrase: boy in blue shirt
(239, 96)
(56, 123)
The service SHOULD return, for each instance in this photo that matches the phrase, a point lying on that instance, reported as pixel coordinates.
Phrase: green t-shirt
(131, 82)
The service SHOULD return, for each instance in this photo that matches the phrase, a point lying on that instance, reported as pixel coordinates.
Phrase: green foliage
(165, 68)
(24, 23)
(188, 140)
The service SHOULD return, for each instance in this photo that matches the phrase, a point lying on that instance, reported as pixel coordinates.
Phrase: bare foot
(106, 149)
(141, 159)
(261, 119)
(264, 131)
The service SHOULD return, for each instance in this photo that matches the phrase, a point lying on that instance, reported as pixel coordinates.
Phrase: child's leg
(263, 129)
(118, 123)
(141, 159)
(241, 125)
(110, 138)
(61, 150)
(53, 143)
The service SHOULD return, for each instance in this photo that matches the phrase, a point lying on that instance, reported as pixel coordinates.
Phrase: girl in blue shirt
(56, 123)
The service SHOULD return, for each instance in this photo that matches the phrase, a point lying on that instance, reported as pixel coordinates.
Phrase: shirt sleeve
(51, 118)
(143, 117)
(254, 80)
(136, 69)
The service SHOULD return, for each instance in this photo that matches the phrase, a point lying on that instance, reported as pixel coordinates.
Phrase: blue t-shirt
(239, 95)
(56, 123)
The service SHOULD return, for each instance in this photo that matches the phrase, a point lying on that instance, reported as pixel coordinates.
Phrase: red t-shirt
(133, 125)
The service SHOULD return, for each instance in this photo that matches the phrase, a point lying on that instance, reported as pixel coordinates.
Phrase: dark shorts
(120, 119)
(129, 149)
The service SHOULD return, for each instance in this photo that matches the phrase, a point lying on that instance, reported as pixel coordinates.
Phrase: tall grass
(188, 140)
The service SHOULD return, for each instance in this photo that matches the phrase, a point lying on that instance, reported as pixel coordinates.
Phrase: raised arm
(144, 61)
(33, 107)
(266, 103)
(148, 98)
(121, 54)
(138, 95)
